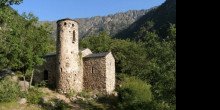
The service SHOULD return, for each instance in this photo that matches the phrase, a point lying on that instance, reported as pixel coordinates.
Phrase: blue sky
(53, 10)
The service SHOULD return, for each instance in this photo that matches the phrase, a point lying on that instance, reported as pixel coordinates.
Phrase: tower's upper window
(74, 36)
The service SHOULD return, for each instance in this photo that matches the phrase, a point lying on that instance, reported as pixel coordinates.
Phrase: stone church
(73, 69)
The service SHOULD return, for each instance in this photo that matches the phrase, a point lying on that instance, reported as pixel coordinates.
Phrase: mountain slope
(157, 19)
(111, 23)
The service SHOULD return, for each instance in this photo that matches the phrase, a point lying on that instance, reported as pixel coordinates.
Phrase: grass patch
(34, 95)
(95, 105)
(17, 106)
(103, 103)
(57, 105)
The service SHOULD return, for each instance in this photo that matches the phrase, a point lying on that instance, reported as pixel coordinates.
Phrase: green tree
(100, 43)
(160, 69)
(10, 2)
(130, 56)
(23, 42)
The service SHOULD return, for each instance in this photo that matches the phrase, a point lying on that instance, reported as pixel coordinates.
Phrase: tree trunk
(25, 83)
(32, 75)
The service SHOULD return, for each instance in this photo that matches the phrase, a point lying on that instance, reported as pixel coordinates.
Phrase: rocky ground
(52, 100)
(54, 97)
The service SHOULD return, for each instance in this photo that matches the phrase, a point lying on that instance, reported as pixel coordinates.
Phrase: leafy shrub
(71, 93)
(42, 84)
(134, 94)
(34, 95)
(62, 106)
(85, 93)
(9, 90)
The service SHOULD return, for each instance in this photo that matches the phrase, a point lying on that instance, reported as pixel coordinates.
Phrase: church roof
(88, 56)
(82, 49)
(49, 55)
(97, 55)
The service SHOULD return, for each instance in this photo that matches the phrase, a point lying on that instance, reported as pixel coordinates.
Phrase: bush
(42, 84)
(62, 105)
(71, 94)
(85, 93)
(9, 90)
(34, 95)
(134, 94)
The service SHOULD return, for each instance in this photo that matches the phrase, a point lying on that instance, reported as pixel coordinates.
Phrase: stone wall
(85, 52)
(95, 74)
(49, 67)
(110, 73)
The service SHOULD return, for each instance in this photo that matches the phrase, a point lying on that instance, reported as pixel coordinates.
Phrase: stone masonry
(48, 67)
(69, 76)
(98, 73)
(71, 69)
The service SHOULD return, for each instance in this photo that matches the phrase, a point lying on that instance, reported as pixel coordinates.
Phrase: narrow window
(45, 75)
(92, 70)
(74, 36)
(65, 23)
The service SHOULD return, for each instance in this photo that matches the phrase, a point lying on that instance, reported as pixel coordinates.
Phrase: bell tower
(69, 76)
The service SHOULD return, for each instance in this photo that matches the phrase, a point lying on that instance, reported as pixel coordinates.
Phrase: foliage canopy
(10, 2)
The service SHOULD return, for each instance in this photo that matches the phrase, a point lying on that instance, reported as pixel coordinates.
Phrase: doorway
(45, 75)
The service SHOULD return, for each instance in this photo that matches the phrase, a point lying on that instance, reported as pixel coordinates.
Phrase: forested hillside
(146, 69)
(149, 54)
(158, 19)
(111, 23)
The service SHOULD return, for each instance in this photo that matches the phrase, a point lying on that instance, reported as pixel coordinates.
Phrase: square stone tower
(69, 67)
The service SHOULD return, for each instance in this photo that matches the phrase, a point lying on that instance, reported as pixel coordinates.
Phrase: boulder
(44, 100)
(115, 94)
(22, 101)
(80, 98)
(52, 104)
(94, 96)
(7, 72)
(22, 84)
(73, 99)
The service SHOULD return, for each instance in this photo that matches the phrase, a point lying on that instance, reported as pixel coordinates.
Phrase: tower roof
(68, 20)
